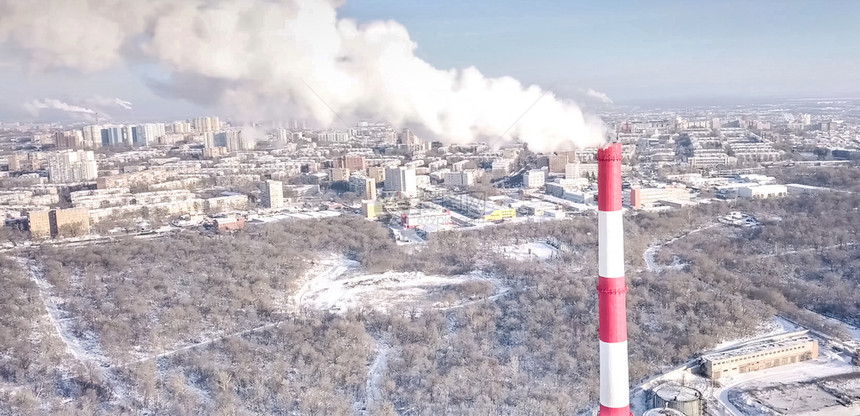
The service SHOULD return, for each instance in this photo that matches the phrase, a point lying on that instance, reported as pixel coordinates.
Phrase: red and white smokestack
(611, 286)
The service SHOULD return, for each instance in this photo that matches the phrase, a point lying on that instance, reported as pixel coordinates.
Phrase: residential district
(73, 181)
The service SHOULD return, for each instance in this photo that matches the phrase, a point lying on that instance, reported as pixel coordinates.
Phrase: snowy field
(340, 285)
(530, 251)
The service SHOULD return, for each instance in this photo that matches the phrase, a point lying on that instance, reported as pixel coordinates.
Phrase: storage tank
(685, 399)
(663, 412)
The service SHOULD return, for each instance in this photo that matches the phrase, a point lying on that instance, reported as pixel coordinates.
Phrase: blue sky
(643, 50)
(635, 51)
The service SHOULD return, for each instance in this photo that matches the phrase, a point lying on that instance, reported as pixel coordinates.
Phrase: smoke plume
(36, 106)
(291, 58)
(99, 101)
(600, 96)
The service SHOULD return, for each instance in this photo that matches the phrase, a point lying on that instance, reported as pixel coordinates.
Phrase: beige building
(376, 173)
(772, 352)
(339, 174)
(353, 162)
(558, 162)
(72, 222)
(40, 224)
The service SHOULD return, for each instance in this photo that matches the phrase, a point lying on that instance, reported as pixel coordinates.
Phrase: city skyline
(733, 52)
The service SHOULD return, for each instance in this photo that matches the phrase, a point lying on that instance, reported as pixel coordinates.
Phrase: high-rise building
(402, 180)
(71, 222)
(578, 170)
(25, 161)
(557, 162)
(363, 186)
(273, 194)
(464, 178)
(353, 162)
(40, 224)
(339, 174)
(282, 136)
(72, 139)
(72, 166)
(180, 127)
(204, 124)
(534, 178)
(408, 138)
(92, 135)
(115, 136)
(376, 173)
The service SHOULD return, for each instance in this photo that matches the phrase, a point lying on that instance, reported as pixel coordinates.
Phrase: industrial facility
(612, 286)
(771, 352)
(683, 400)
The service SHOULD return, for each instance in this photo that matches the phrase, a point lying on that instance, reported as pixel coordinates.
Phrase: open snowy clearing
(529, 251)
(342, 285)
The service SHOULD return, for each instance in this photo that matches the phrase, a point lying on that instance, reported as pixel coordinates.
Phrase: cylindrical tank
(685, 399)
(663, 412)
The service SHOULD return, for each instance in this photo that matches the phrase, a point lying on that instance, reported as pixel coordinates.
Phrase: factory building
(479, 208)
(772, 352)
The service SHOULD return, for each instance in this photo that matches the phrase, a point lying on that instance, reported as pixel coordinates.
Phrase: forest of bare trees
(206, 324)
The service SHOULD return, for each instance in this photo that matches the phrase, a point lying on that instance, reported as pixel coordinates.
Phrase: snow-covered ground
(342, 285)
(829, 363)
(775, 326)
(530, 251)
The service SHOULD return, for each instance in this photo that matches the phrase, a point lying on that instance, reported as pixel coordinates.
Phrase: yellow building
(771, 352)
(371, 209)
(40, 224)
(501, 214)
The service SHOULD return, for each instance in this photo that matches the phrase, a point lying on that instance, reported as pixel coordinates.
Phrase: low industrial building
(771, 352)
(639, 198)
(420, 218)
(762, 191)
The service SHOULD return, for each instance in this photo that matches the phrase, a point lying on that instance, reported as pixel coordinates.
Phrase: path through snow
(650, 254)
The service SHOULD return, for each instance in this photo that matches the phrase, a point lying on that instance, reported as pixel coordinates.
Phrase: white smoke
(600, 96)
(295, 58)
(100, 101)
(36, 106)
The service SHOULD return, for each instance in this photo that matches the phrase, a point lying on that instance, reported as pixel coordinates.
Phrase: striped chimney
(611, 286)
